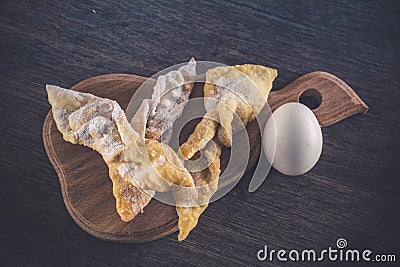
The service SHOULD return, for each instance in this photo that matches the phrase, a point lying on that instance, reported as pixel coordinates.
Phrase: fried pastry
(170, 95)
(167, 164)
(139, 164)
(204, 132)
(92, 121)
(135, 166)
(189, 203)
(242, 89)
(206, 182)
(206, 129)
(250, 85)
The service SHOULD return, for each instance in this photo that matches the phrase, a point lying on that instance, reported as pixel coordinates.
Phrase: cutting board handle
(337, 100)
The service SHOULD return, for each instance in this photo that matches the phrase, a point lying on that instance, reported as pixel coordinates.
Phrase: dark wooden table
(352, 193)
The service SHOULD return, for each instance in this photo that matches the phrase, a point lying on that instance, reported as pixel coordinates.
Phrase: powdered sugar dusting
(170, 94)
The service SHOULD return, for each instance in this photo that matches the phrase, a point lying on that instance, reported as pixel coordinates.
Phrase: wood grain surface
(87, 189)
(351, 193)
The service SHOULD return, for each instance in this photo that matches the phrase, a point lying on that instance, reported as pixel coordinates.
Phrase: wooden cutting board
(83, 175)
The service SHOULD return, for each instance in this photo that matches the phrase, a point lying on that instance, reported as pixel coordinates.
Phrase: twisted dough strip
(206, 182)
(205, 130)
(242, 89)
(231, 89)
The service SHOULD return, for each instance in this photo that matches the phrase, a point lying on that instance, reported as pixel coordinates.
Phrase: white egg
(292, 139)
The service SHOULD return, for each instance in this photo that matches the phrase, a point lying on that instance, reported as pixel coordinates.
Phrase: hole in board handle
(311, 98)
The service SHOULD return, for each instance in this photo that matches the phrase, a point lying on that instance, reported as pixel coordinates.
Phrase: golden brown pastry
(167, 164)
(92, 121)
(206, 182)
(190, 203)
(130, 200)
(137, 168)
(206, 129)
(242, 89)
(204, 132)
(170, 95)
(138, 164)
(250, 85)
